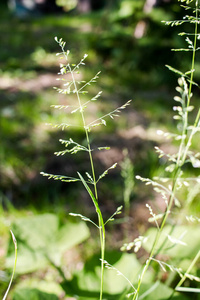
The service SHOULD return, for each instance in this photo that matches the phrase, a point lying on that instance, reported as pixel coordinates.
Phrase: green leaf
(40, 239)
(33, 294)
(91, 194)
(47, 285)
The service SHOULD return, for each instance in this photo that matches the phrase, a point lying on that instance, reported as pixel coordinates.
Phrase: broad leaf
(33, 294)
(40, 239)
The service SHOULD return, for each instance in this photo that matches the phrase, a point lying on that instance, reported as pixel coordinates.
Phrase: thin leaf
(15, 262)
(90, 193)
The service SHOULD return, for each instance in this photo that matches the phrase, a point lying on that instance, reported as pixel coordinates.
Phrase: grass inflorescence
(90, 179)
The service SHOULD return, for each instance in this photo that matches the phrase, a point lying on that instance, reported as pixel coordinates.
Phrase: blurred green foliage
(28, 52)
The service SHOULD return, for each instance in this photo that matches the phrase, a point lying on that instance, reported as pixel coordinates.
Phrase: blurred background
(128, 43)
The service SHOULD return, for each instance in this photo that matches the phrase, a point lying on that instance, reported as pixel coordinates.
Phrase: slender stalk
(100, 218)
(101, 229)
(102, 239)
(15, 263)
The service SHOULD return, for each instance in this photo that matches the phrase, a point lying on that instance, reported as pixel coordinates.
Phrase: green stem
(14, 268)
(100, 218)
(102, 239)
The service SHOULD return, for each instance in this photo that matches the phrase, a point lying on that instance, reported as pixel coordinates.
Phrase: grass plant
(90, 181)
